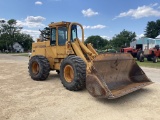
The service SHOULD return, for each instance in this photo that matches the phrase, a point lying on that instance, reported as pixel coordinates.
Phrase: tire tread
(45, 68)
(80, 68)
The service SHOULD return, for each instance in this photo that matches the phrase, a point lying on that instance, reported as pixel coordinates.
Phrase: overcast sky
(99, 17)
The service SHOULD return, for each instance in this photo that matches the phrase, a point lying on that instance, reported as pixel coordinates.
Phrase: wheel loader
(79, 65)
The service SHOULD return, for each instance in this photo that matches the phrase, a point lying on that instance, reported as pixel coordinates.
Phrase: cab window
(62, 35)
(74, 32)
(53, 37)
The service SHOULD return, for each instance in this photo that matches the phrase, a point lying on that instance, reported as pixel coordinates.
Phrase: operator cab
(59, 33)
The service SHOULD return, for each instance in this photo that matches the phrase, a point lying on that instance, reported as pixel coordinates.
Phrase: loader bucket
(115, 75)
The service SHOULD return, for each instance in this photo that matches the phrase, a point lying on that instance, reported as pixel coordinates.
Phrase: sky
(105, 18)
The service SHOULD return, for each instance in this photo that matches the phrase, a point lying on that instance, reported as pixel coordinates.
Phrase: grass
(149, 64)
(17, 54)
(21, 54)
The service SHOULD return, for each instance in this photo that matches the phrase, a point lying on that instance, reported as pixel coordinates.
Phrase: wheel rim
(35, 68)
(68, 73)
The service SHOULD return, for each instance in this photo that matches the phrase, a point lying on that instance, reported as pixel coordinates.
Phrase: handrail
(69, 30)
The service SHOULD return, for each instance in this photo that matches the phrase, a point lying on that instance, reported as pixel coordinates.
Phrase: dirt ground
(21, 98)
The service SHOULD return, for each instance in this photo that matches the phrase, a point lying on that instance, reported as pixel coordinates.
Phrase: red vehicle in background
(152, 54)
(130, 50)
(136, 53)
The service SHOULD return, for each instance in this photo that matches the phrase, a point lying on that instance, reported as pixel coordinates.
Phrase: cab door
(61, 41)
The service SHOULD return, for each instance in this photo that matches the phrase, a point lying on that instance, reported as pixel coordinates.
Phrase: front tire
(141, 58)
(138, 55)
(39, 68)
(73, 73)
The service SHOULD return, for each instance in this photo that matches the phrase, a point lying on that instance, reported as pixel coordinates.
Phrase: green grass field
(149, 64)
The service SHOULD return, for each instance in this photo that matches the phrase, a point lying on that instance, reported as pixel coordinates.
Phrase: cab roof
(63, 23)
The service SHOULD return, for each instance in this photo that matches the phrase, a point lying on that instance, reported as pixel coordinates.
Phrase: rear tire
(155, 59)
(39, 68)
(73, 73)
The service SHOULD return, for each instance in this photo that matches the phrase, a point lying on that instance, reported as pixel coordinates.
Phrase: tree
(10, 33)
(25, 40)
(158, 26)
(97, 41)
(152, 29)
(3, 41)
(122, 39)
(9, 28)
(1, 22)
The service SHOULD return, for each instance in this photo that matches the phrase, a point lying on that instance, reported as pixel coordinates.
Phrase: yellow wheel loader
(79, 65)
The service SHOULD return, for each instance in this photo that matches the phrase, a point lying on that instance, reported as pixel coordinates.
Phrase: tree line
(124, 38)
(11, 33)
(153, 29)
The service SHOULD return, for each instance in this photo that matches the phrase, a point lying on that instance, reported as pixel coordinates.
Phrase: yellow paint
(55, 53)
